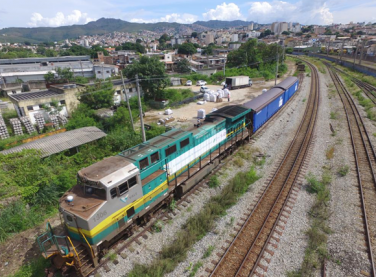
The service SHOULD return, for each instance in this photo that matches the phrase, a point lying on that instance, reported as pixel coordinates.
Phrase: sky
(47, 13)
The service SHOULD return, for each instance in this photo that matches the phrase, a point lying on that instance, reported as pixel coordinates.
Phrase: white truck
(238, 82)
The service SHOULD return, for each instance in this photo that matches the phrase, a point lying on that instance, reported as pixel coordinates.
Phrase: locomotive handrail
(92, 252)
(74, 249)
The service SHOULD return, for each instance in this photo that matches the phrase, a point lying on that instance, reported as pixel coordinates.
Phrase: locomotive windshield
(94, 192)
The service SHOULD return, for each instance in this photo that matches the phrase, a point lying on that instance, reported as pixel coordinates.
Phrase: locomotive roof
(104, 168)
(286, 83)
(144, 149)
(264, 99)
(232, 112)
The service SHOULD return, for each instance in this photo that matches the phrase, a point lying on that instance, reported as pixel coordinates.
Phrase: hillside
(106, 25)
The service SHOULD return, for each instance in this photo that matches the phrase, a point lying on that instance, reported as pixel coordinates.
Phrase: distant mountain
(219, 24)
(106, 25)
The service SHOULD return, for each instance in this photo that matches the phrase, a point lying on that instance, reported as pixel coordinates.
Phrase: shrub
(333, 115)
(208, 252)
(314, 185)
(343, 170)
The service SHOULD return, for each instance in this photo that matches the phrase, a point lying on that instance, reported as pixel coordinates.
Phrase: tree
(187, 48)
(138, 40)
(65, 74)
(289, 50)
(163, 38)
(152, 73)
(285, 33)
(194, 34)
(49, 77)
(183, 66)
(101, 95)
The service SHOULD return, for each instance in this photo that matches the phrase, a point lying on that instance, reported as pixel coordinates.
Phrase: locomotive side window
(144, 163)
(123, 188)
(132, 181)
(184, 143)
(154, 157)
(113, 192)
(69, 218)
(170, 150)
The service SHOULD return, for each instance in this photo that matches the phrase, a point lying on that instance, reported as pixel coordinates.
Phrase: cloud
(184, 18)
(76, 17)
(304, 11)
(224, 12)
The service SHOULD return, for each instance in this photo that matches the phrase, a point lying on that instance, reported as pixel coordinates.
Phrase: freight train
(120, 192)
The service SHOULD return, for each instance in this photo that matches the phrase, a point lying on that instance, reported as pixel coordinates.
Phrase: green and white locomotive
(118, 193)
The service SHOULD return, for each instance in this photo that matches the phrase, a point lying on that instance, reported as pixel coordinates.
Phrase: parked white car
(188, 83)
(200, 83)
(204, 89)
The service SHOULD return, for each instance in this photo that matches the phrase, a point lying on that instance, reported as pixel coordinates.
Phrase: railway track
(368, 89)
(247, 248)
(365, 162)
(184, 199)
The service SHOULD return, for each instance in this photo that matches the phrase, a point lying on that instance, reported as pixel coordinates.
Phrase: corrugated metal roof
(34, 95)
(229, 111)
(60, 142)
(286, 83)
(264, 99)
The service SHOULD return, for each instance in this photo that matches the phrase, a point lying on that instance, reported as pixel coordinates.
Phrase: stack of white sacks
(212, 96)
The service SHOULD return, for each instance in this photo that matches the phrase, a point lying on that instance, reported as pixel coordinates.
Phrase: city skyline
(43, 14)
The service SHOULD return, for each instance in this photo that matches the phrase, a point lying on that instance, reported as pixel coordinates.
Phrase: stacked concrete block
(55, 121)
(17, 127)
(39, 118)
(26, 122)
(3, 129)
(63, 120)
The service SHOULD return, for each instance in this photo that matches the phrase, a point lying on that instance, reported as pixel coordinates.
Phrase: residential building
(209, 38)
(234, 38)
(103, 71)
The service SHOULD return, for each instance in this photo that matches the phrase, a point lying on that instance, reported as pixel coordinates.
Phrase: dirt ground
(186, 115)
(22, 248)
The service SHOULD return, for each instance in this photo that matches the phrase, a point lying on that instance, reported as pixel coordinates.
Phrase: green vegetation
(176, 95)
(213, 182)
(343, 170)
(333, 115)
(152, 74)
(208, 251)
(195, 268)
(138, 47)
(197, 226)
(316, 251)
(187, 48)
(33, 269)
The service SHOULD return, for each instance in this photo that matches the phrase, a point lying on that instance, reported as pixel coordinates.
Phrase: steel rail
(357, 152)
(294, 144)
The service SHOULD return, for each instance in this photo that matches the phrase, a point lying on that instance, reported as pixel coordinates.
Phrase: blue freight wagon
(267, 104)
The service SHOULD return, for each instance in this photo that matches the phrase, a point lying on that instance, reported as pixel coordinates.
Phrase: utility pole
(361, 52)
(127, 99)
(82, 70)
(140, 109)
(356, 52)
(327, 49)
(276, 71)
(340, 57)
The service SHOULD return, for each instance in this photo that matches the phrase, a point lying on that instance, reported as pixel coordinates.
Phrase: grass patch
(333, 115)
(316, 251)
(304, 100)
(197, 227)
(330, 153)
(158, 226)
(33, 268)
(208, 252)
(343, 170)
(239, 162)
(172, 205)
(213, 181)
(195, 268)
